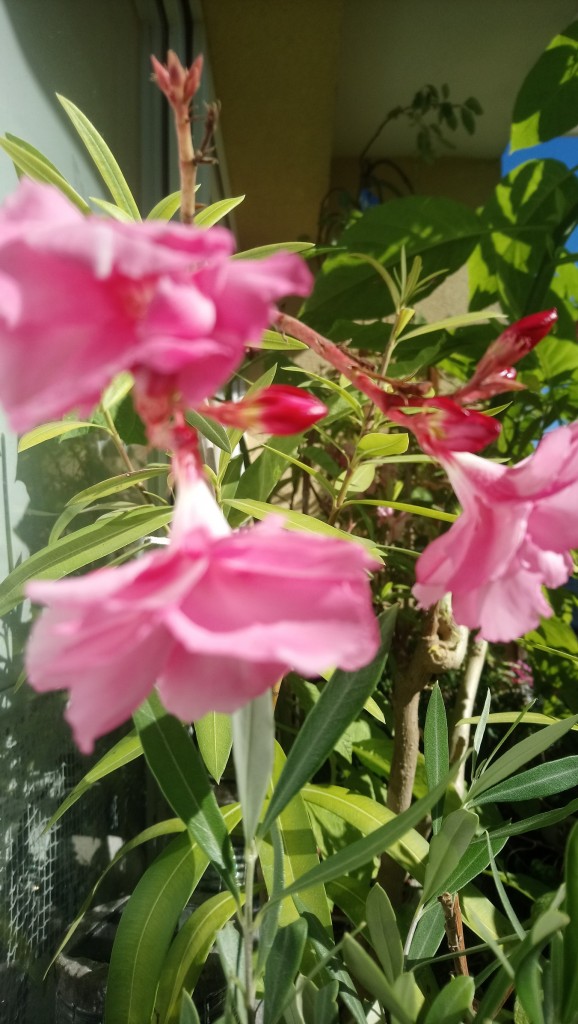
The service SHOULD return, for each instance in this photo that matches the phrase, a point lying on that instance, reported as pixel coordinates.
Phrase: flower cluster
(217, 617)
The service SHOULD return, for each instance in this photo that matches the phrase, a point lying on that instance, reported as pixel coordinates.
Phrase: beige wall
(274, 65)
(464, 179)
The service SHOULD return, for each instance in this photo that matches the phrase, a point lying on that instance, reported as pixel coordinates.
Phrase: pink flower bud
(443, 426)
(495, 373)
(179, 84)
(279, 409)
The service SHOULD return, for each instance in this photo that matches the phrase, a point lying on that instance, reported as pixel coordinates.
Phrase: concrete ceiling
(481, 48)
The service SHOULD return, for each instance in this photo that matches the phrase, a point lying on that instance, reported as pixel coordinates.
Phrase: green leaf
(268, 250)
(216, 212)
(451, 323)
(181, 776)
(570, 941)
(376, 445)
(366, 815)
(145, 932)
(453, 1003)
(402, 506)
(480, 730)
(126, 750)
(384, 932)
(298, 855)
(546, 104)
(441, 231)
(340, 703)
(298, 521)
(428, 934)
(282, 966)
(280, 342)
(375, 844)
(36, 166)
(81, 548)
(188, 1014)
(518, 755)
(210, 429)
(253, 751)
(214, 737)
(116, 484)
(112, 210)
(436, 748)
(167, 207)
(50, 430)
(368, 973)
(447, 849)
(495, 993)
(116, 392)
(261, 477)
(188, 952)
(541, 781)
(528, 217)
(473, 862)
(103, 159)
(535, 821)
(361, 478)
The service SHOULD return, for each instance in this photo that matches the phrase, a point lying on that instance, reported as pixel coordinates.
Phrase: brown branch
(454, 930)
(441, 648)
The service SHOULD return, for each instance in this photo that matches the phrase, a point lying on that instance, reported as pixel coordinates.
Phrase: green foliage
(546, 103)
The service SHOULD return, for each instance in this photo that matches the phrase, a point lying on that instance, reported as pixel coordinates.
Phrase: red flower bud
(494, 373)
(443, 426)
(279, 409)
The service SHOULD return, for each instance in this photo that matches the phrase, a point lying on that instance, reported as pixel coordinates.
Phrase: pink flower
(214, 619)
(513, 537)
(83, 298)
(279, 409)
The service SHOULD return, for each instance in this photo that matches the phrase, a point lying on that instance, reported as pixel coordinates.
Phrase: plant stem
(187, 162)
(464, 707)
(121, 449)
(247, 925)
(441, 647)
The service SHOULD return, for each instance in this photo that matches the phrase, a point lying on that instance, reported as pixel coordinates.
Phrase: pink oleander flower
(213, 620)
(279, 409)
(495, 373)
(517, 527)
(82, 298)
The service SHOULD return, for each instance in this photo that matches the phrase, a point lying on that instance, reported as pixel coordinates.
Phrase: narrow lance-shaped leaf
(384, 932)
(35, 165)
(282, 966)
(436, 748)
(253, 748)
(571, 932)
(519, 755)
(145, 931)
(188, 952)
(215, 737)
(181, 775)
(447, 848)
(340, 703)
(81, 548)
(372, 845)
(536, 783)
(104, 161)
